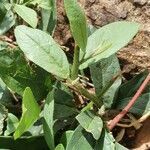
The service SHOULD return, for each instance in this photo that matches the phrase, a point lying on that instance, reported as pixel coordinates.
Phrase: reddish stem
(114, 122)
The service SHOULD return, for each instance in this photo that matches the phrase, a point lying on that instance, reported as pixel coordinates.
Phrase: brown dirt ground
(135, 57)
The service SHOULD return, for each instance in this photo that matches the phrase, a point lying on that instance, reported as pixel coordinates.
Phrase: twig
(75, 66)
(114, 122)
(76, 86)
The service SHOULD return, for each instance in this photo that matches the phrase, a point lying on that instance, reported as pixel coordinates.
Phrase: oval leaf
(108, 40)
(30, 114)
(27, 14)
(91, 123)
(40, 48)
(77, 21)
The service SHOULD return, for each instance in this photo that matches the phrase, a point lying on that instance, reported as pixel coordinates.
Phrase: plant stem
(75, 66)
(114, 122)
(87, 107)
(92, 97)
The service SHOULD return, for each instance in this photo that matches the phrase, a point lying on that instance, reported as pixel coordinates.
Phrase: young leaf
(77, 21)
(40, 48)
(91, 123)
(48, 120)
(102, 74)
(30, 113)
(59, 147)
(80, 140)
(27, 14)
(107, 40)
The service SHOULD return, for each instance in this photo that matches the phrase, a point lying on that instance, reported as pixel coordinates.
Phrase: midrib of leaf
(92, 120)
(96, 52)
(84, 41)
(45, 50)
(78, 140)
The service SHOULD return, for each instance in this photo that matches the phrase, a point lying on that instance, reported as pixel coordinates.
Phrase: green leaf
(3, 115)
(18, 74)
(30, 113)
(129, 88)
(49, 17)
(80, 140)
(12, 123)
(2, 11)
(140, 107)
(102, 74)
(40, 48)
(66, 137)
(107, 40)
(7, 22)
(48, 120)
(64, 102)
(66, 111)
(77, 21)
(106, 142)
(27, 14)
(91, 123)
(59, 147)
(120, 147)
(23, 143)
